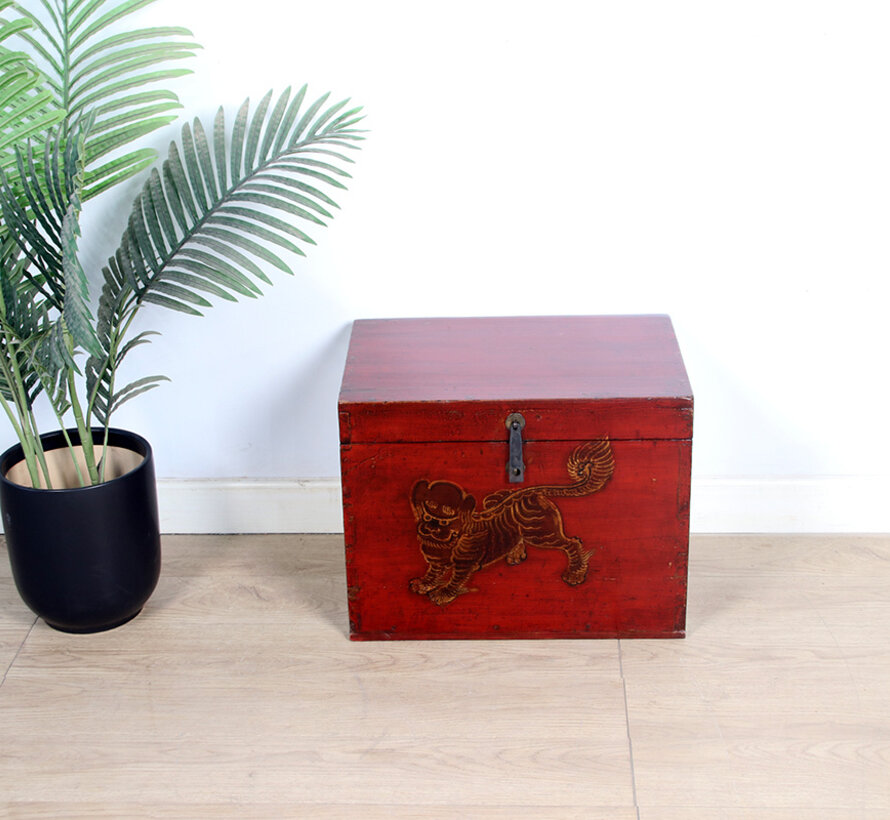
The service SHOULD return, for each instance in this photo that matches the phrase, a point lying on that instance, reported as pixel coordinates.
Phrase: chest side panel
(440, 545)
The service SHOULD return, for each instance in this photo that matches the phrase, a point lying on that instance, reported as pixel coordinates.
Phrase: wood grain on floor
(237, 693)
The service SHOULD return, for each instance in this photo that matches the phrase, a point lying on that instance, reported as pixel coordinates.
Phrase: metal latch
(515, 467)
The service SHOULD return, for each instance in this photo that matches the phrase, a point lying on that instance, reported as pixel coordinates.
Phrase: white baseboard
(819, 504)
(719, 505)
(250, 506)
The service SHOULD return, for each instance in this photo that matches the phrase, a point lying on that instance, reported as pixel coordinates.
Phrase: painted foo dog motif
(457, 541)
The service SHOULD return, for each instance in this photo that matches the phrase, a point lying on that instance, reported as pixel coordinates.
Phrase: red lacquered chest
(516, 477)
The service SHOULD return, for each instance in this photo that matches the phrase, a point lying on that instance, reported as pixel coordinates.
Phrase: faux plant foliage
(91, 68)
(204, 224)
(24, 102)
(229, 201)
(212, 207)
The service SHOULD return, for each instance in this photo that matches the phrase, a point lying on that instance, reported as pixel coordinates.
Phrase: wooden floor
(236, 693)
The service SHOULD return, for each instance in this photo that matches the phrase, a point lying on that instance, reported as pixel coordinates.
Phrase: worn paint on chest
(590, 542)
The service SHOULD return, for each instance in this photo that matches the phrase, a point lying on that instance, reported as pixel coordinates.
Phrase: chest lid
(571, 377)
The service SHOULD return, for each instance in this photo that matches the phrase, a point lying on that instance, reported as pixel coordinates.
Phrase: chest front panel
(445, 509)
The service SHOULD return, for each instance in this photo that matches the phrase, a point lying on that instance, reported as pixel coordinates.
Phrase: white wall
(726, 163)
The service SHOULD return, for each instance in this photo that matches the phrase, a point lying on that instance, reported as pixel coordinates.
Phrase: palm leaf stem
(25, 441)
(86, 438)
(104, 460)
(80, 476)
(16, 383)
(26, 427)
(33, 434)
(18, 426)
(119, 332)
(38, 450)
(66, 58)
(69, 444)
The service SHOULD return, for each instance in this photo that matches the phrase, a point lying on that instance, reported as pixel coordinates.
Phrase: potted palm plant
(78, 90)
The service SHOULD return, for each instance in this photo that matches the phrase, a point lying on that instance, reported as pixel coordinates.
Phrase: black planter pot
(85, 559)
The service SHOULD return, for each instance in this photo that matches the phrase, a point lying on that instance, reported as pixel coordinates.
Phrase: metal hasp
(516, 467)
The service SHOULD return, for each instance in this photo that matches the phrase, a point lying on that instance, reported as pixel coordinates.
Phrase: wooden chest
(516, 477)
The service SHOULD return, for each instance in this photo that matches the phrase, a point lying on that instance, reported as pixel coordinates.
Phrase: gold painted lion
(457, 541)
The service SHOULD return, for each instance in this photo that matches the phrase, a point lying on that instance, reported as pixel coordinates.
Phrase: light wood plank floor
(237, 694)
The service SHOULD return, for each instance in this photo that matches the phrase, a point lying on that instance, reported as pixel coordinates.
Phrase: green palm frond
(44, 220)
(23, 321)
(34, 210)
(92, 68)
(205, 225)
(76, 317)
(230, 202)
(25, 102)
(207, 222)
(33, 354)
(115, 311)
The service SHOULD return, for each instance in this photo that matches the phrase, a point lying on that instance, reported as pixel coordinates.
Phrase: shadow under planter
(84, 559)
